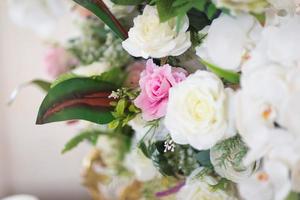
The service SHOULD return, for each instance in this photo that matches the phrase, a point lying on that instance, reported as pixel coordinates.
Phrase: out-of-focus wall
(30, 160)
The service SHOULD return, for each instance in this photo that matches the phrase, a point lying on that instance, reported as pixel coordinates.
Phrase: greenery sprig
(124, 110)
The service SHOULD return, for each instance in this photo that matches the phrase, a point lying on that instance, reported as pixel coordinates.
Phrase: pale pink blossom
(58, 61)
(155, 83)
(134, 73)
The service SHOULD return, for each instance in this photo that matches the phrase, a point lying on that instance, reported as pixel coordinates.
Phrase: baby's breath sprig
(124, 110)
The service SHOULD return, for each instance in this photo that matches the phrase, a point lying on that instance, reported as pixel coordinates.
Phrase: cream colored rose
(197, 111)
(150, 38)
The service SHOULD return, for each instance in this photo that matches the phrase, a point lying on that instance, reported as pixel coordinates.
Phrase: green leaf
(164, 9)
(43, 85)
(229, 76)
(99, 8)
(114, 124)
(200, 5)
(115, 76)
(62, 78)
(261, 17)
(160, 161)
(77, 98)
(128, 2)
(90, 135)
(198, 20)
(293, 196)
(203, 158)
(211, 11)
(168, 9)
(143, 148)
(120, 108)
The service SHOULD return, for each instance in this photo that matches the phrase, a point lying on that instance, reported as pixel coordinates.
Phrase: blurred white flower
(150, 38)
(20, 197)
(200, 188)
(140, 165)
(270, 183)
(255, 6)
(142, 128)
(197, 112)
(279, 43)
(96, 68)
(290, 6)
(58, 61)
(39, 15)
(139, 125)
(295, 176)
(108, 147)
(259, 107)
(291, 110)
(229, 41)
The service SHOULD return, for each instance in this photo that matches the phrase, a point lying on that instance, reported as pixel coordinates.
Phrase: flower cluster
(225, 128)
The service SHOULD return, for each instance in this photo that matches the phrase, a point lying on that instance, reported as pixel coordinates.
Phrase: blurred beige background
(30, 159)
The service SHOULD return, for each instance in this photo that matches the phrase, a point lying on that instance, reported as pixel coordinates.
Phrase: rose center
(200, 108)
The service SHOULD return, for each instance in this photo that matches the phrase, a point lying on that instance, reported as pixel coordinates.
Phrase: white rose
(229, 41)
(140, 165)
(256, 6)
(96, 68)
(270, 183)
(197, 111)
(39, 15)
(150, 38)
(200, 188)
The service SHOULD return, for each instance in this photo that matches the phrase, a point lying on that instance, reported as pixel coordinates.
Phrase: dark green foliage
(180, 162)
(168, 9)
(230, 76)
(77, 98)
(128, 2)
(88, 135)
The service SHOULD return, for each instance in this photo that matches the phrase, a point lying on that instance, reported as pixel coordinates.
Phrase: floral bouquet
(185, 99)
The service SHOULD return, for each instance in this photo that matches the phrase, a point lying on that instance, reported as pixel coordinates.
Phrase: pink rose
(155, 83)
(58, 61)
(134, 72)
